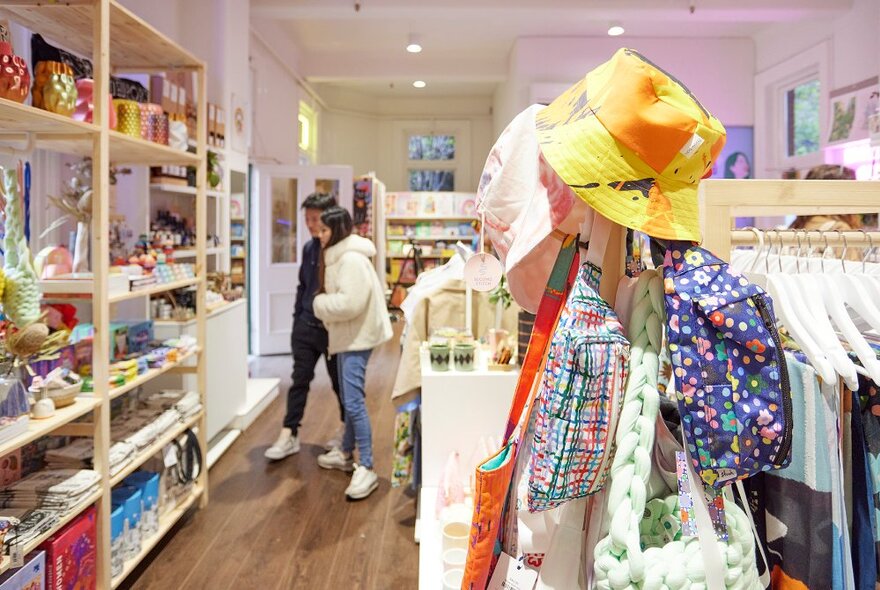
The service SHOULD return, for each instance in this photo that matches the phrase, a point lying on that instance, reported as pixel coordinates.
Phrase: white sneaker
(363, 483)
(336, 441)
(336, 459)
(286, 445)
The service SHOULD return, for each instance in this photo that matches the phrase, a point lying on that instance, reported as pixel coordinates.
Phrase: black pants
(308, 342)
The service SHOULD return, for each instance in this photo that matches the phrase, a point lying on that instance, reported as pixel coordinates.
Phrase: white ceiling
(467, 42)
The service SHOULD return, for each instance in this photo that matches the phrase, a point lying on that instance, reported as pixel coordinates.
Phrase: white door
(279, 232)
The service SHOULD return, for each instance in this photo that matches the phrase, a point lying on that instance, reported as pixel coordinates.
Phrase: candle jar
(128, 117)
(463, 355)
(439, 356)
(59, 90)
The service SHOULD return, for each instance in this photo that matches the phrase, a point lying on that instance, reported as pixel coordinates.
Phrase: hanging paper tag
(715, 501)
(483, 272)
(170, 456)
(16, 554)
(512, 574)
(685, 498)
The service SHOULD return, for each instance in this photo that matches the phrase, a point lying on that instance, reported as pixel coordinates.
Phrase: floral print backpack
(729, 367)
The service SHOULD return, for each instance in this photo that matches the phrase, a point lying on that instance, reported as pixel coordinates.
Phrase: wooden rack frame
(118, 41)
(721, 201)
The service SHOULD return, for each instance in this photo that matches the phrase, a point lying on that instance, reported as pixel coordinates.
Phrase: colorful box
(118, 340)
(71, 555)
(31, 576)
(148, 483)
(140, 334)
(117, 540)
(129, 498)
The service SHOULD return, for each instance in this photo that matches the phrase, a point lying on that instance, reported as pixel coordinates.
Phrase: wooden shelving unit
(111, 36)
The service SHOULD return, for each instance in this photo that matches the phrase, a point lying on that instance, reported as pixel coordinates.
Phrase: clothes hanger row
(818, 300)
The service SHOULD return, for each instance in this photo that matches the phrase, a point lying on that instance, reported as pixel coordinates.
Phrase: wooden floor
(287, 524)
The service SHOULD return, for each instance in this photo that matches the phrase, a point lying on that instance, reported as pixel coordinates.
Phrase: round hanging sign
(483, 272)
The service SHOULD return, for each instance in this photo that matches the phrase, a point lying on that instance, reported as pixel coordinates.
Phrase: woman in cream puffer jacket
(351, 303)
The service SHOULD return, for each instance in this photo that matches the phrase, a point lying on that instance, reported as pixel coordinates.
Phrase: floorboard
(287, 525)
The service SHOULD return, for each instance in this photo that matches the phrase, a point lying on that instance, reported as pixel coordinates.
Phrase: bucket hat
(523, 201)
(633, 142)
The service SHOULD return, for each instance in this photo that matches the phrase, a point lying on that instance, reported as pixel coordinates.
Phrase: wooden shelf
(242, 239)
(427, 238)
(134, 44)
(63, 134)
(166, 523)
(40, 428)
(402, 256)
(151, 374)
(155, 448)
(192, 253)
(237, 219)
(429, 218)
(154, 290)
(184, 190)
(238, 257)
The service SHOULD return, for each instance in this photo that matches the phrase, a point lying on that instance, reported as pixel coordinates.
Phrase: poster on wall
(362, 207)
(850, 110)
(737, 157)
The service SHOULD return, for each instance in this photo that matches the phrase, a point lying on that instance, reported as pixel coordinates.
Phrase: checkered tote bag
(579, 398)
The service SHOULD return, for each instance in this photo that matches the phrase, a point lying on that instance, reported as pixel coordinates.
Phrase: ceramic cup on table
(452, 579)
(439, 356)
(455, 535)
(464, 356)
(454, 559)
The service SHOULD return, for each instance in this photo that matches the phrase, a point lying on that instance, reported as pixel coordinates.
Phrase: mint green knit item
(21, 293)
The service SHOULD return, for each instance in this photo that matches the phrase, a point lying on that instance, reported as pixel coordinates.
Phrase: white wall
(720, 72)
(366, 132)
(855, 48)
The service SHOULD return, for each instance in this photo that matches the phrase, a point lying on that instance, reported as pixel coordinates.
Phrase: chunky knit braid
(21, 295)
(635, 553)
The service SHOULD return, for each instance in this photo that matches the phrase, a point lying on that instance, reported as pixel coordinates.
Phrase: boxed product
(130, 499)
(140, 333)
(148, 483)
(118, 340)
(71, 555)
(117, 540)
(31, 576)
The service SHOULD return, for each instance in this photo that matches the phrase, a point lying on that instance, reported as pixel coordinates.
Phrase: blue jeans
(352, 373)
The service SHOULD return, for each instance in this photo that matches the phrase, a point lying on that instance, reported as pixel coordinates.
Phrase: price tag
(512, 574)
(483, 272)
(170, 456)
(16, 554)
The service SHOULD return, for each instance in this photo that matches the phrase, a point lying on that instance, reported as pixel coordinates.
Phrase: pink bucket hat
(524, 201)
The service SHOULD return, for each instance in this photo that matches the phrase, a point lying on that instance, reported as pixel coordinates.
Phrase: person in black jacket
(308, 339)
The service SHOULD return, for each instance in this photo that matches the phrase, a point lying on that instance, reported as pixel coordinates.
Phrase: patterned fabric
(579, 399)
(633, 142)
(731, 382)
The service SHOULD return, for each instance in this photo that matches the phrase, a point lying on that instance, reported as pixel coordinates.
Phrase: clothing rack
(805, 237)
(721, 201)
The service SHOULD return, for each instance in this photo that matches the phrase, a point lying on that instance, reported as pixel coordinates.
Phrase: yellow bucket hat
(634, 143)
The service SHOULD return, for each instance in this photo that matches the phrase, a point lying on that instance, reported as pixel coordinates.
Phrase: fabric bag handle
(555, 293)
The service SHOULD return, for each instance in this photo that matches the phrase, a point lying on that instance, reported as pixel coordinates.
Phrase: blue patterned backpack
(729, 367)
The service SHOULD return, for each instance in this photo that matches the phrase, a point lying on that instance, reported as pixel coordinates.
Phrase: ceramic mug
(439, 357)
(464, 354)
(452, 579)
(454, 559)
(456, 535)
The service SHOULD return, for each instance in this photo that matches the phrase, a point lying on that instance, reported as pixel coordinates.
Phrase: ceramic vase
(85, 103)
(59, 90)
(15, 80)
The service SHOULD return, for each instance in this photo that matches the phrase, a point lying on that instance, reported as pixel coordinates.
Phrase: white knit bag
(622, 561)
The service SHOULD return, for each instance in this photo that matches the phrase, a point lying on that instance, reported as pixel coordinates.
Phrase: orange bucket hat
(633, 142)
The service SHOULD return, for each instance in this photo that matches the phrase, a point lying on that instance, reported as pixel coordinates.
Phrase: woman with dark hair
(351, 303)
(737, 166)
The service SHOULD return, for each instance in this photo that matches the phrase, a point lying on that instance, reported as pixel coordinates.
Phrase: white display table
(458, 410)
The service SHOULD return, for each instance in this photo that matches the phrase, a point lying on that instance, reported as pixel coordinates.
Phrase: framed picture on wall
(850, 110)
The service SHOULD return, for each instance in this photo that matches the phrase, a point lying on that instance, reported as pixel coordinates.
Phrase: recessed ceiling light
(615, 30)
(419, 84)
(414, 45)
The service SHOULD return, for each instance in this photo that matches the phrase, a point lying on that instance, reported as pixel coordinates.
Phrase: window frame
(308, 151)
(771, 123)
